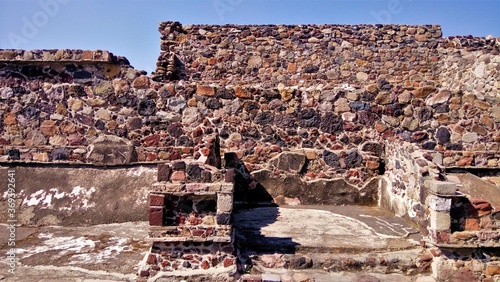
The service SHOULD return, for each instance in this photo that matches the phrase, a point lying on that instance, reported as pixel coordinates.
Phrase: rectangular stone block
(440, 220)
(271, 278)
(442, 187)
(227, 187)
(164, 172)
(156, 216)
(224, 203)
(156, 200)
(439, 204)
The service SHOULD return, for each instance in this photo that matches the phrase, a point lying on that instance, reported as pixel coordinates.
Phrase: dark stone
(374, 147)
(127, 100)
(224, 93)
(454, 147)
(264, 118)
(82, 75)
(134, 123)
(443, 135)
(185, 205)
(429, 145)
(285, 121)
(100, 125)
(358, 106)
(442, 108)
(193, 173)
(311, 69)
(367, 118)
(184, 141)
(32, 71)
(384, 85)
(47, 108)
(299, 263)
(309, 118)
(179, 165)
(331, 159)
(59, 154)
(331, 123)
(14, 154)
(424, 113)
(353, 159)
(213, 103)
(30, 112)
(164, 172)
(209, 205)
(175, 130)
(147, 107)
(267, 129)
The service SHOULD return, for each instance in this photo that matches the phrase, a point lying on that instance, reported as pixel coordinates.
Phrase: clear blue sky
(129, 27)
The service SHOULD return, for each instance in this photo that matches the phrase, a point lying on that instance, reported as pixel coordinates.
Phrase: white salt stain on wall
(44, 199)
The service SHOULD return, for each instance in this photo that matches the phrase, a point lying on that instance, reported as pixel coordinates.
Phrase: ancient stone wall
(338, 94)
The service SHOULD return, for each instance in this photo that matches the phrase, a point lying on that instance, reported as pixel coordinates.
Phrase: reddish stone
(198, 232)
(242, 93)
(144, 273)
(205, 264)
(151, 259)
(492, 270)
(205, 151)
(197, 132)
(141, 82)
(156, 216)
(10, 119)
(480, 204)
(152, 140)
(205, 90)
(87, 55)
(48, 128)
(156, 200)
(465, 161)
(419, 136)
(178, 176)
(228, 262)
(151, 157)
(165, 263)
(471, 224)
(251, 278)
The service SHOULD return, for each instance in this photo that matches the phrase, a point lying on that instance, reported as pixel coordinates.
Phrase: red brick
(205, 264)
(156, 216)
(156, 200)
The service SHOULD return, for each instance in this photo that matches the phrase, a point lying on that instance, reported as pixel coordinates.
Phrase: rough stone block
(439, 204)
(224, 203)
(251, 278)
(442, 187)
(440, 220)
(229, 176)
(110, 150)
(289, 161)
(156, 200)
(156, 216)
(223, 218)
(164, 172)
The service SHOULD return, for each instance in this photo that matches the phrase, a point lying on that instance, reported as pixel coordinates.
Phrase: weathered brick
(156, 216)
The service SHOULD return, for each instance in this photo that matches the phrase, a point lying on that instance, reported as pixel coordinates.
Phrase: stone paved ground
(111, 252)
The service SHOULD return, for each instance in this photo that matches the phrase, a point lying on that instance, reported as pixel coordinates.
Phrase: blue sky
(129, 27)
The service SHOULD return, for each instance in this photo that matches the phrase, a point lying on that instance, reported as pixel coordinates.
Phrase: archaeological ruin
(247, 124)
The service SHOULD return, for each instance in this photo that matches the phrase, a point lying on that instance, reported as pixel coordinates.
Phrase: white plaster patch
(139, 171)
(44, 199)
(116, 246)
(63, 244)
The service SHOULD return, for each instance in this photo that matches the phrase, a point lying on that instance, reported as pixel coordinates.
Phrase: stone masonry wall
(337, 93)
